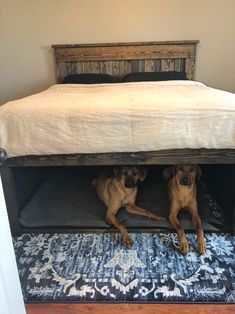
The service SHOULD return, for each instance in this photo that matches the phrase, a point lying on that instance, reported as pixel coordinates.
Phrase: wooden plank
(157, 65)
(148, 66)
(123, 53)
(165, 65)
(172, 64)
(190, 68)
(163, 157)
(176, 42)
(61, 71)
(118, 308)
(141, 65)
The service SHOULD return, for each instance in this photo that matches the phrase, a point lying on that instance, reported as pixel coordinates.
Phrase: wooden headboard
(120, 59)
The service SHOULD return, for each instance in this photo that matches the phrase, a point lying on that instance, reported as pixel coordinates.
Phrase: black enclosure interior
(59, 199)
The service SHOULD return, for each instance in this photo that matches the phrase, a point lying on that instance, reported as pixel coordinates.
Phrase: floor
(129, 308)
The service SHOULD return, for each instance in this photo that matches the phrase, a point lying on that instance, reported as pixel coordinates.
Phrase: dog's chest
(129, 196)
(185, 196)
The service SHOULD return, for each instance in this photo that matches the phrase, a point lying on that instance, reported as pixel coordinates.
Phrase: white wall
(11, 299)
(29, 27)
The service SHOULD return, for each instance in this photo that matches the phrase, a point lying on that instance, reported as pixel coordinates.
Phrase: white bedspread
(125, 117)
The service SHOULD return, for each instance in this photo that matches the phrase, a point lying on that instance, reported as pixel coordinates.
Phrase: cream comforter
(130, 117)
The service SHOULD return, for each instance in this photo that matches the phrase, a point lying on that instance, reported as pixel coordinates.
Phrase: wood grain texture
(130, 308)
(120, 59)
(162, 157)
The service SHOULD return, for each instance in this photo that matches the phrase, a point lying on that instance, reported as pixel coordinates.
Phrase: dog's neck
(128, 191)
(182, 194)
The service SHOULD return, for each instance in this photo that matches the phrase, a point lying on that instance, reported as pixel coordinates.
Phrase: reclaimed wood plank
(163, 157)
(124, 52)
(166, 42)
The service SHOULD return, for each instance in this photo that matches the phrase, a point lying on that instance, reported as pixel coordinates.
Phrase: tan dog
(182, 192)
(119, 191)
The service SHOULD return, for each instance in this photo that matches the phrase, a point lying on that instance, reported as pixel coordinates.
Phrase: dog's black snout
(129, 183)
(184, 180)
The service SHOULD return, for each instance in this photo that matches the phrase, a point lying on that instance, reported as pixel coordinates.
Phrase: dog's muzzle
(130, 184)
(185, 181)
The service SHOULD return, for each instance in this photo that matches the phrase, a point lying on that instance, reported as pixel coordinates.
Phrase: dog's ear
(169, 172)
(199, 172)
(142, 173)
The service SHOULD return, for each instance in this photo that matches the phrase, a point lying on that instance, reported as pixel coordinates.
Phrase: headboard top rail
(145, 43)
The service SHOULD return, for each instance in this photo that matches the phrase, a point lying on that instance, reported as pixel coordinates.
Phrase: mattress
(120, 117)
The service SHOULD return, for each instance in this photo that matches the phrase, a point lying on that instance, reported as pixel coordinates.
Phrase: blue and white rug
(97, 267)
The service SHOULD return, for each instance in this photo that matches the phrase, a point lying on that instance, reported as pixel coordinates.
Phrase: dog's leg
(143, 212)
(112, 219)
(201, 246)
(184, 248)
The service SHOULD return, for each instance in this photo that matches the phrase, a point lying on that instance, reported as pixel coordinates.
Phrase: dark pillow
(154, 76)
(90, 78)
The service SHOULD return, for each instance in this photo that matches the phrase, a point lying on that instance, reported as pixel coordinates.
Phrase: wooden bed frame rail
(164, 157)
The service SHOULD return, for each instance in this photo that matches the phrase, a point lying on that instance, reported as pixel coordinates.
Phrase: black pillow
(90, 78)
(154, 76)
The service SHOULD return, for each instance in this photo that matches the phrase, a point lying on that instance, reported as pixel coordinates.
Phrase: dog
(182, 193)
(120, 190)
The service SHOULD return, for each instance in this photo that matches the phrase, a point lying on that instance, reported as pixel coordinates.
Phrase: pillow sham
(154, 76)
(90, 78)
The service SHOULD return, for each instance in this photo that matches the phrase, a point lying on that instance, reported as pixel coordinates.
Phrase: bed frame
(119, 59)
(116, 59)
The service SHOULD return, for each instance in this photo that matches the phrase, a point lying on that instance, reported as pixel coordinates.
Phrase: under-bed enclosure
(54, 192)
(63, 199)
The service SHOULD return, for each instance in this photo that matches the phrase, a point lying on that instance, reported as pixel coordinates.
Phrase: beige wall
(29, 27)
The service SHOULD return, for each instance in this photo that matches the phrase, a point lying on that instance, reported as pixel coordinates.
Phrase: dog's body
(182, 192)
(119, 191)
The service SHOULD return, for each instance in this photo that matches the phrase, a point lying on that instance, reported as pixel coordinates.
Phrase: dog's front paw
(201, 247)
(127, 241)
(184, 248)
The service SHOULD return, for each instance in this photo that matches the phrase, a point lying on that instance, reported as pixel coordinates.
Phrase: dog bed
(68, 199)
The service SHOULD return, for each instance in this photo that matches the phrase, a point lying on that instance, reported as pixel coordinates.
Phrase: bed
(126, 140)
(119, 60)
